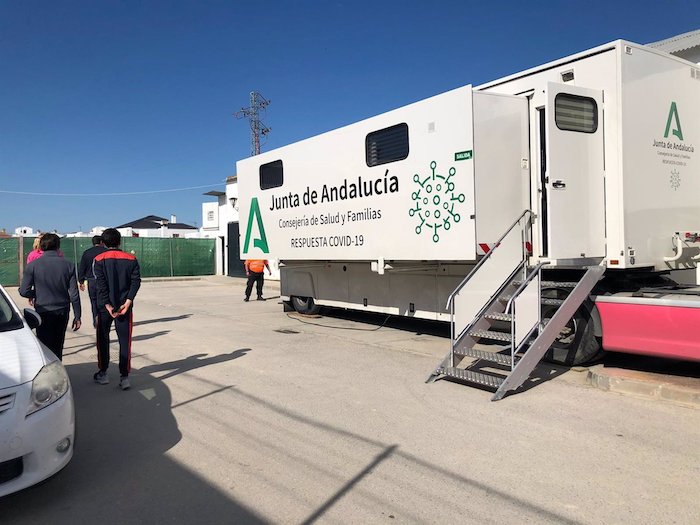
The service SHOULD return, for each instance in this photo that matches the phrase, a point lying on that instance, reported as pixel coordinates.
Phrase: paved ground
(242, 413)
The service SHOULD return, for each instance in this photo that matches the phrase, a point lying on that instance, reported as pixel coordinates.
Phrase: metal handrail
(484, 259)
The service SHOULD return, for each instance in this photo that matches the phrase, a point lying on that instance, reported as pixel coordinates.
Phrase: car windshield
(9, 320)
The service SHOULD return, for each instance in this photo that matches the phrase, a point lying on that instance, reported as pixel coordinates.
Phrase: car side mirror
(33, 319)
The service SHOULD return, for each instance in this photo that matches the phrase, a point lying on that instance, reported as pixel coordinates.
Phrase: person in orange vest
(255, 270)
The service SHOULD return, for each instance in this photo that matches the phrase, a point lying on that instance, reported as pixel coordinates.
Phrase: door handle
(559, 184)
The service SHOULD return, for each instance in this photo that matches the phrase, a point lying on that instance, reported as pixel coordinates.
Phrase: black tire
(305, 305)
(576, 344)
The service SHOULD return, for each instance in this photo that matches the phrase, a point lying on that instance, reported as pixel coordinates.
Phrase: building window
(271, 175)
(134, 234)
(176, 235)
(574, 113)
(210, 215)
(387, 145)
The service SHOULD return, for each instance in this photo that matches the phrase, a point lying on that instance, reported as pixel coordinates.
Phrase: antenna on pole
(258, 103)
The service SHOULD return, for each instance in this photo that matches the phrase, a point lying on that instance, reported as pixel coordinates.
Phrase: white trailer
(536, 213)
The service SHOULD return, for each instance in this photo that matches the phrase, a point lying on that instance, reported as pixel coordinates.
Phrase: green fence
(157, 257)
(9, 266)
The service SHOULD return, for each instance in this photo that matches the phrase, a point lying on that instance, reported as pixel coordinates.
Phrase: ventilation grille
(6, 402)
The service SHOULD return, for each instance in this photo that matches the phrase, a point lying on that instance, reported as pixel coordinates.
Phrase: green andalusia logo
(673, 115)
(259, 242)
(434, 202)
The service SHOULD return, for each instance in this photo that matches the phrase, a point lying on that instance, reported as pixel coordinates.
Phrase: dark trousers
(123, 325)
(258, 279)
(92, 292)
(52, 331)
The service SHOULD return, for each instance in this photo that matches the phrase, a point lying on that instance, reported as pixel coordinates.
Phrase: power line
(116, 194)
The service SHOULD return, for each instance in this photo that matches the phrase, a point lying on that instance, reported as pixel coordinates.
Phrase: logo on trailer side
(261, 241)
(673, 114)
(436, 207)
(672, 151)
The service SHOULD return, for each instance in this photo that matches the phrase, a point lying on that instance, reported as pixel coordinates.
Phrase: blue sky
(138, 96)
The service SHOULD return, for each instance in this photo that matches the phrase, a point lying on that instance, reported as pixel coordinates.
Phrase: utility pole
(258, 103)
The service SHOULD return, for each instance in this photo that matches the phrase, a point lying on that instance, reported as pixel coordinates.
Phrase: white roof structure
(686, 45)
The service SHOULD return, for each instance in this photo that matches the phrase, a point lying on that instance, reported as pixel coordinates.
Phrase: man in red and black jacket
(118, 279)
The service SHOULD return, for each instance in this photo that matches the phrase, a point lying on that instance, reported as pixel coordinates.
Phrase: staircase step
(490, 334)
(499, 316)
(553, 284)
(494, 357)
(545, 300)
(552, 301)
(472, 377)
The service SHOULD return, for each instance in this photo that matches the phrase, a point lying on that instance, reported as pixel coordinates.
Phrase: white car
(37, 417)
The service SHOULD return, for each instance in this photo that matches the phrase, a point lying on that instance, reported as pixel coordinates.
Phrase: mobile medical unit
(540, 214)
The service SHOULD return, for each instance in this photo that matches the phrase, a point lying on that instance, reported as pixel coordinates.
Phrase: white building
(24, 231)
(154, 226)
(97, 230)
(220, 222)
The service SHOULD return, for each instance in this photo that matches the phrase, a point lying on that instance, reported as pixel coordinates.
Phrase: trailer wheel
(305, 305)
(576, 344)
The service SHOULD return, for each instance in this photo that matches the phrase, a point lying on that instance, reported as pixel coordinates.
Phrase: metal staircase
(496, 314)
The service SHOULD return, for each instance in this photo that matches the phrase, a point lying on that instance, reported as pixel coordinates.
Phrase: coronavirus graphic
(434, 202)
(675, 180)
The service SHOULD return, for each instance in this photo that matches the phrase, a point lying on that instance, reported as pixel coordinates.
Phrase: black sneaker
(246, 300)
(260, 298)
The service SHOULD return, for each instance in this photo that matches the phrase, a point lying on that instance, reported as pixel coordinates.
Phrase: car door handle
(559, 184)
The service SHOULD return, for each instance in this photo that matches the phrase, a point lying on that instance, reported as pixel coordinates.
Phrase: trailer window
(271, 175)
(574, 113)
(387, 145)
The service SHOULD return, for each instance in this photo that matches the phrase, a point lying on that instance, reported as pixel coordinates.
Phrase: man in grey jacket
(50, 284)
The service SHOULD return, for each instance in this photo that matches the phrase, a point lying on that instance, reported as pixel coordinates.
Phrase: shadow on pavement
(162, 319)
(656, 365)
(80, 348)
(409, 324)
(542, 373)
(190, 363)
(145, 337)
(120, 472)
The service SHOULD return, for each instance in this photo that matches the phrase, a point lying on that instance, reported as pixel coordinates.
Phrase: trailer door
(574, 177)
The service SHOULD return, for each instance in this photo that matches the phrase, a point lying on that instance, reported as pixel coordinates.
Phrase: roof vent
(567, 76)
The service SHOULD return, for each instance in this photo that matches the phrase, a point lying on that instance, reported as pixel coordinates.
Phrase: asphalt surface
(243, 413)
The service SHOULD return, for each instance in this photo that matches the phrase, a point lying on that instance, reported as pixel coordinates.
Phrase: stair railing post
(512, 335)
(452, 334)
(539, 302)
(510, 308)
